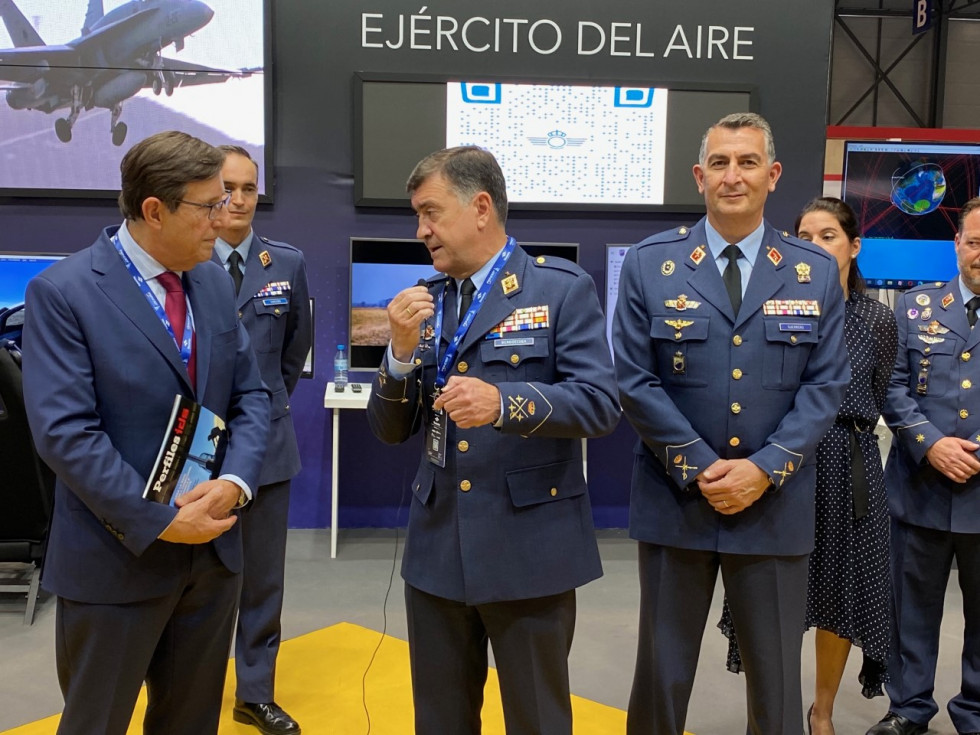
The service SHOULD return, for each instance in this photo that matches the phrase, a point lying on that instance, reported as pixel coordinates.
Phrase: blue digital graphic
(633, 97)
(919, 188)
(480, 93)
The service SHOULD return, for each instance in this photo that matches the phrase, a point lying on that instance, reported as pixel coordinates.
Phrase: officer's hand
(469, 402)
(955, 458)
(732, 485)
(195, 524)
(406, 312)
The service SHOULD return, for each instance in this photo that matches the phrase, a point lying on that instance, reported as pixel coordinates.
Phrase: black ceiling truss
(944, 11)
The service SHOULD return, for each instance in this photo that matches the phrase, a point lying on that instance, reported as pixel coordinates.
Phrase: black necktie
(235, 269)
(733, 277)
(971, 310)
(466, 290)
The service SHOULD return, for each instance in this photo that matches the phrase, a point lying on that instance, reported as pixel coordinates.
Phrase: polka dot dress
(849, 588)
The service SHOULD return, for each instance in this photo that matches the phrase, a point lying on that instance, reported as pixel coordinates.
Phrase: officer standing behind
(933, 486)
(728, 339)
(500, 529)
(273, 303)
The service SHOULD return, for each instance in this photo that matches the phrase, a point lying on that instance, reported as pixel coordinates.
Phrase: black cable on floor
(384, 607)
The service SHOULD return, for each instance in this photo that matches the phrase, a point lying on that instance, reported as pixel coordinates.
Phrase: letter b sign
(921, 15)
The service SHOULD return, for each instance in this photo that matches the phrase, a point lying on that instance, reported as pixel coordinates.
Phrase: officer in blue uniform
(934, 488)
(730, 371)
(273, 304)
(502, 365)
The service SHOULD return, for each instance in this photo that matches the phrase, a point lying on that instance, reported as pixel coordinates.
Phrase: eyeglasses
(213, 209)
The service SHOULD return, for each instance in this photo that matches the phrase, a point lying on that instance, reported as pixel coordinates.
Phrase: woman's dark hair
(848, 223)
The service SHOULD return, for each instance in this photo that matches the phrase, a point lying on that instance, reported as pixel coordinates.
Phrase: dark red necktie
(176, 308)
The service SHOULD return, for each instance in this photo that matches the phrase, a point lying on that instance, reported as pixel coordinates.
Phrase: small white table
(336, 401)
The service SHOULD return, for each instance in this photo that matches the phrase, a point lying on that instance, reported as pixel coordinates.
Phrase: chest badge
(678, 324)
(667, 268)
(681, 303)
(803, 272)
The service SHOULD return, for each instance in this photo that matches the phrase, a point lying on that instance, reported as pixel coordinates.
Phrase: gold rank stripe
(791, 307)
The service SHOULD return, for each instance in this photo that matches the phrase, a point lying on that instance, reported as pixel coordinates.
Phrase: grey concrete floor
(352, 588)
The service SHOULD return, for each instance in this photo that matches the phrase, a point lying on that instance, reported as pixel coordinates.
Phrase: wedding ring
(725, 502)
(409, 310)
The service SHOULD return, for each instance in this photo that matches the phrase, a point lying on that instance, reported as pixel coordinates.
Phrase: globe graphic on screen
(918, 188)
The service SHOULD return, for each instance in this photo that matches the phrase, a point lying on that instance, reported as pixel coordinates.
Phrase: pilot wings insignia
(678, 323)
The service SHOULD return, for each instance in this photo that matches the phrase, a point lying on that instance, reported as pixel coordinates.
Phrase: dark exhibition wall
(779, 49)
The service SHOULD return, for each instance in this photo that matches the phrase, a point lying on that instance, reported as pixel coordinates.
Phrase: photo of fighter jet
(116, 56)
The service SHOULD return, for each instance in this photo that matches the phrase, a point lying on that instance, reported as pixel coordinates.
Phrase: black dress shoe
(892, 724)
(268, 717)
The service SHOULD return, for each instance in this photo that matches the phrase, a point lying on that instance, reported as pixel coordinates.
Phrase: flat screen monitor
(16, 269)
(562, 144)
(379, 269)
(907, 197)
(83, 81)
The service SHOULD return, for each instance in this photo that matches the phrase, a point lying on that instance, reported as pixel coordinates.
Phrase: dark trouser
(767, 597)
(178, 644)
(448, 648)
(922, 558)
(259, 630)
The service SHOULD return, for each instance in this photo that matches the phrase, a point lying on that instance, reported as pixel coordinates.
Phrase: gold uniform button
(418, 360)
(734, 441)
(736, 408)
(463, 446)
(239, 315)
(514, 359)
(737, 374)
(540, 259)
(965, 357)
(792, 338)
(927, 349)
(966, 384)
(465, 486)
(964, 414)
(462, 367)
(554, 491)
(278, 311)
(737, 340)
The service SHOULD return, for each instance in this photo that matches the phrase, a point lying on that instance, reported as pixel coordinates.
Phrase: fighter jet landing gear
(119, 129)
(62, 128)
(63, 125)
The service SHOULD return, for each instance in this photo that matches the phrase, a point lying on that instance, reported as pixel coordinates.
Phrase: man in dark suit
(113, 333)
(502, 364)
(273, 302)
(728, 339)
(934, 488)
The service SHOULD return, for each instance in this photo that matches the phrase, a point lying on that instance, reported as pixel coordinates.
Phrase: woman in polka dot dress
(849, 592)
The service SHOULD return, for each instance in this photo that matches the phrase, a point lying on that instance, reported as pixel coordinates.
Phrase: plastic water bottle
(340, 369)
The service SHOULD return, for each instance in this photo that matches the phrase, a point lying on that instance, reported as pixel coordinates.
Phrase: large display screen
(617, 145)
(379, 269)
(907, 197)
(83, 80)
(16, 269)
(566, 143)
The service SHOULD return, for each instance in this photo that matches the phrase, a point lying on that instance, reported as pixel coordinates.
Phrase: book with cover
(191, 453)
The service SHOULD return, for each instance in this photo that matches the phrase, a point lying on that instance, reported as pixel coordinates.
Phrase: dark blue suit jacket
(698, 385)
(100, 376)
(522, 527)
(917, 493)
(280, 334)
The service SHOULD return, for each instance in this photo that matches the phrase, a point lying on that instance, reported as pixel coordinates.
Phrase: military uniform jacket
(509, 517)
(274, 306)
(699, 384)
(932, 394)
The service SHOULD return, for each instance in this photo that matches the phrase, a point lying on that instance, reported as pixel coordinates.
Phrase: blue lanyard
(185, 344)
(448, 359)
